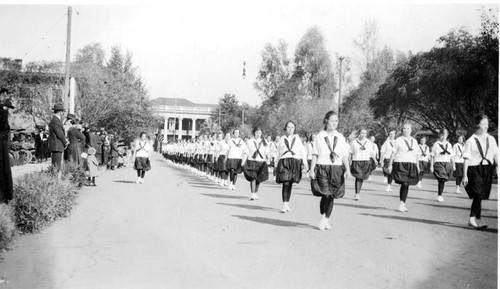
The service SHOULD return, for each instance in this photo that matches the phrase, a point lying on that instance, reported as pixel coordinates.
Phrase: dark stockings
(254, 186)
(403, 192)
(286, 191)
(357, 185)
(441, 186)
(326, 206)
(141, 173)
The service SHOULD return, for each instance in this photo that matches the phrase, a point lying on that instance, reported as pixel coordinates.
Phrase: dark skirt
(361, 169)
(74, 152)
(221, 164)
(142, 163)
(405, 173)
(443, 170)
(480, 180)
(373, 165)
(329, 181)
(423, 166)
(256, 170)
(289, 170)
(200, 159)
(210, 161)
(234, 164)
(385, 168)
(459, 170)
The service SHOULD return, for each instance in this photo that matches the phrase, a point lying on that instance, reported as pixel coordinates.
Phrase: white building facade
(183, 118)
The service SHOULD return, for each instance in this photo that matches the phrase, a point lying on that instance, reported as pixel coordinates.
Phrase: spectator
(57, 139)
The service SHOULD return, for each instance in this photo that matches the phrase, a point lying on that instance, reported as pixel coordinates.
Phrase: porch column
(180, 128)
(193, 128)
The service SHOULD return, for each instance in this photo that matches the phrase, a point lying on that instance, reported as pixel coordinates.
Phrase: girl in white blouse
(221, 152)
(480, 159)
(234, 157)
(424, 154)
(140, 157)
(329, 165)
(458, 152)
(404, 164)
(362, 153)
(255, 162)
(291, 156)
(385, 155)
(442, 161)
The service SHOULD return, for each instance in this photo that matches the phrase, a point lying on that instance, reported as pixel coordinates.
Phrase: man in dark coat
(6, 188)
(57, 136)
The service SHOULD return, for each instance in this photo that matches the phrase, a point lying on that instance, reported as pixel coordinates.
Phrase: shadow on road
(449, 207)
(124, 182)
(251, 207)
(431, 222)
(360, 206)
(396, 195)
(275, 222)
(219, 196)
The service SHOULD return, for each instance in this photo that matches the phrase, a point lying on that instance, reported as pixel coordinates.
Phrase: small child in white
(91, 166)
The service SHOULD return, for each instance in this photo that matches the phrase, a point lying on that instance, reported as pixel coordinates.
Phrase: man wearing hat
(6, 188)
(57, 136)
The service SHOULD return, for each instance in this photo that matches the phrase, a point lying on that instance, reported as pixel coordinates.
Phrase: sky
(195, 50)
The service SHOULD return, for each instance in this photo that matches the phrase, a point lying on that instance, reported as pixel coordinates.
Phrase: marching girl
(222, 148)
(291, 156)
(480, 159)
(423, 159)
(404, 164)
(211, 158)
(141, 156)
(310, 150)
(200, 155)
(442, 161)
(329, 164)
(273, 148)
(255, 162)
(234, 158)
(385, 154)
(361, 151)
(376, 153)
(458, 152)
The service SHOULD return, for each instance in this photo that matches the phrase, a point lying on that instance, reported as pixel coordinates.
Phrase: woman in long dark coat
(113, 152)
(76, 138)
(6, 187)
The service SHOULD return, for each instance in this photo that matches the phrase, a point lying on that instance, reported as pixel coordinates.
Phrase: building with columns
(183, 118)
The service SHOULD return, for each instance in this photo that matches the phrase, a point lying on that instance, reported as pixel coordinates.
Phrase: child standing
(91, 166)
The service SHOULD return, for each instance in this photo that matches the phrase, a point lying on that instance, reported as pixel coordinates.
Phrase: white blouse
(222, 147)
(442, 152)
(406, 150)
(142, 148)
(387, 149)
(256, 150)
(322, 150)
(361, 150)
(458, 151)
(488, 145)
(236, 148)
(424, 153)
(291, 147)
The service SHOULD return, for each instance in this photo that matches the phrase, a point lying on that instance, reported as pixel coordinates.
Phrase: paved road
(178, 230)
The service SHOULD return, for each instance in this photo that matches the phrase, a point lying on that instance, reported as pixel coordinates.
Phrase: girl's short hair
(286, 124)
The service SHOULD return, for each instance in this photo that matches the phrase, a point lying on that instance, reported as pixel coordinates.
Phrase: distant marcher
(374, 161)
(480, 159)
(255, 162)
(234, 158)
(423, 159)
(404, 164)
(362, 154)
(291, 157)
(57, 137)
(6, 186)
(141, 156)
(458, 173)
(385, 155)
(442, 161)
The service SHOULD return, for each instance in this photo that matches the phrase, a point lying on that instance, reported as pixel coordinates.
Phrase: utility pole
(340, 84)
(68, 60)
(220, 127)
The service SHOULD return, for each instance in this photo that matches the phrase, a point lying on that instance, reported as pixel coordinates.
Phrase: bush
(40, 199)
(7, 225)
(72, 172)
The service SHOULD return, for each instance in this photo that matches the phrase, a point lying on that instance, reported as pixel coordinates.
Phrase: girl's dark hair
(478, 118)
(310, 138)
(286, 124)
(142, 133)
(327, 117)
(443, 131)
(256, 129)
(362, 128)
(235, 130)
